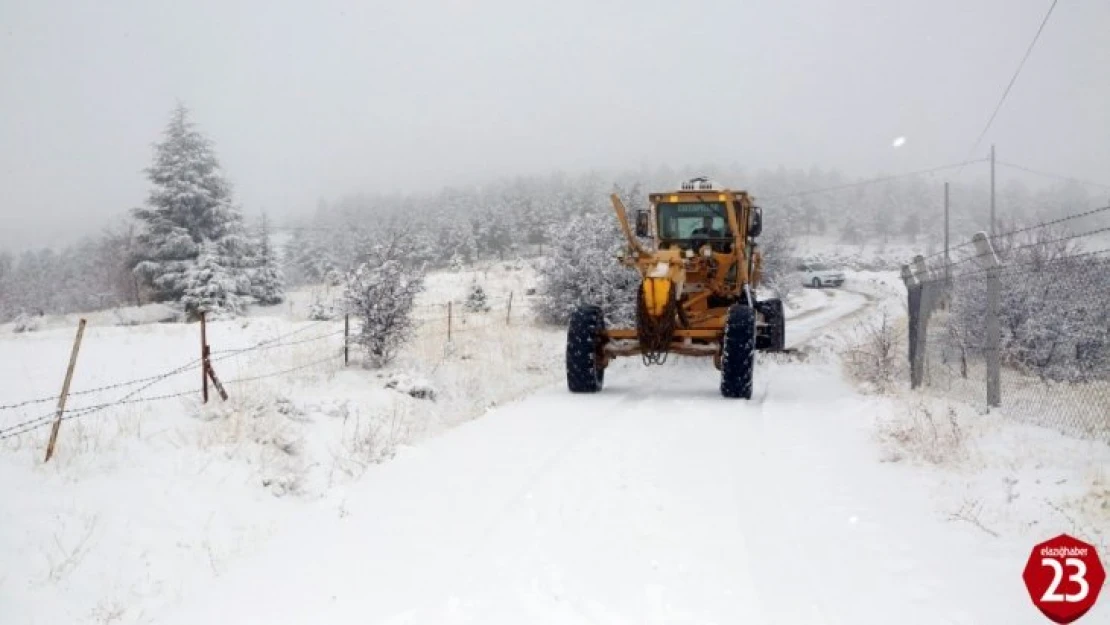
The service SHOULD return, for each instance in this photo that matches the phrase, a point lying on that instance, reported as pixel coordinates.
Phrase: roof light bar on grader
(697, 290)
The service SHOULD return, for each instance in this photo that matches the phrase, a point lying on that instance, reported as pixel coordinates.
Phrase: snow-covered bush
(777, 271)
(411, 385)
(582, 268)
(381, 293)
(476, 300)
(1054, 315)
(27, 323)
(319, 310)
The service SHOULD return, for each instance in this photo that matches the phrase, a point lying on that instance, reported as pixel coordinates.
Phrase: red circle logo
(1064, 576)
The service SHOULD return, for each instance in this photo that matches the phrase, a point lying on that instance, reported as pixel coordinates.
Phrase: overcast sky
(316, 99)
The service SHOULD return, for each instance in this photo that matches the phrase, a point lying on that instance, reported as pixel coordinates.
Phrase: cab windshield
(692, 220)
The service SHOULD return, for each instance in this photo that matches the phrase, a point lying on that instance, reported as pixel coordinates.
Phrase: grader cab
(695, 249)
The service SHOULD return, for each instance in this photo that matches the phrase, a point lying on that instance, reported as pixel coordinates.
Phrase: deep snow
(655, 501)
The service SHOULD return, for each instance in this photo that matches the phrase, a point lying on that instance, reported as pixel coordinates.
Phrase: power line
(1070, 237)
(1015, 268)
(871, 181)
(1013, 79)
(1044, 224)
(1052, 175)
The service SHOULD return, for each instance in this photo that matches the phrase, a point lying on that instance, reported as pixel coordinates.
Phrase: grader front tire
(584, 339)
(738, 353)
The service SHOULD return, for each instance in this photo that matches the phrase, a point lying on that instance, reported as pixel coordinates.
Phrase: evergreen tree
(268, 280)
(209, 286)
(476, 300)
(850, 231)
(582, 268)
(189, 206)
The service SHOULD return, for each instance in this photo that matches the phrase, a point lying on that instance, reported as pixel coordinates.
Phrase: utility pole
(992, 191)
(947, 257)
(989, 261)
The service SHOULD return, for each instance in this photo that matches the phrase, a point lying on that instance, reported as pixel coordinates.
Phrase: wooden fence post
(216, 381)
(509, 312)
(346, 339)
(203, 357)
(65, 391)
(449, 321)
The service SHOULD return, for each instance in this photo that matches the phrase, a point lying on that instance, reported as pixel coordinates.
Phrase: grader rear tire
(774, 339)
(738, 353)
(584, 339)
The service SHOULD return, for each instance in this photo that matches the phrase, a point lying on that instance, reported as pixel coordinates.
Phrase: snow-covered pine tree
(268, 280)
(381, 293)
(210, 287)
(582, 268)
(189, 205)
(850, 230)
(476, 300)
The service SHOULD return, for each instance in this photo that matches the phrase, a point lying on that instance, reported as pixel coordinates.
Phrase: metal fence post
(989, 261)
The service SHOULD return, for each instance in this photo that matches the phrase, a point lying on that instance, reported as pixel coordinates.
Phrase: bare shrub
(919, 434)
(874, 358)
(971, 512)
(370, 441)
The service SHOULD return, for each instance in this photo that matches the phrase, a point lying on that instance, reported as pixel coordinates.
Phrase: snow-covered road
(656, 501)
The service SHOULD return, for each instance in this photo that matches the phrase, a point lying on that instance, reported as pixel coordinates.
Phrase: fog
(314, 100)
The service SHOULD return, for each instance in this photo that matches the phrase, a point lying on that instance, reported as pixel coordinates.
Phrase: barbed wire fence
(1019, 323)
(437, 326)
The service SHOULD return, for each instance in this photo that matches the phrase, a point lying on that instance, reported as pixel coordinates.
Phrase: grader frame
(697, 291)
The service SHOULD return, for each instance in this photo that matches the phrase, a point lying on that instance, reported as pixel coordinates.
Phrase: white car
(818, 275)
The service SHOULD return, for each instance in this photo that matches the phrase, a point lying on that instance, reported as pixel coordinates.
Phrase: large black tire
(774, 337)
(738, 353)
(584, 339)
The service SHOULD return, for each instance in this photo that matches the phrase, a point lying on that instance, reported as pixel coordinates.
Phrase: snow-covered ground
(333, 495)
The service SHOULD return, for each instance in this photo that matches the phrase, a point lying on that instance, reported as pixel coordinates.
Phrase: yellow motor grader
(695, 249)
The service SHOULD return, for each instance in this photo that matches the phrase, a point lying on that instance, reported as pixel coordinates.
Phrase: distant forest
(514, 217)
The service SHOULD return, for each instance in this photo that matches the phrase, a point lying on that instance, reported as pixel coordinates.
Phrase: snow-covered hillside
(326, 494)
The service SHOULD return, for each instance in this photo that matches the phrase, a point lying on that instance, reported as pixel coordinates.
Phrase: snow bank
(144, 500)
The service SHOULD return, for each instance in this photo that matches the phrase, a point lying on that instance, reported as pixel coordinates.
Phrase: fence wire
(438, 328)
(1052, 339)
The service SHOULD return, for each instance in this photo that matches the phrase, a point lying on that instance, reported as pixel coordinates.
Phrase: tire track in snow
(637, 504)
(576, 439)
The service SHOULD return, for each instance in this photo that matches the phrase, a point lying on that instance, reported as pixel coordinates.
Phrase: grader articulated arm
(622, 217)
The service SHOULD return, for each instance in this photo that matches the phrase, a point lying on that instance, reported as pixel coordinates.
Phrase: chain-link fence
(1019, 323)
